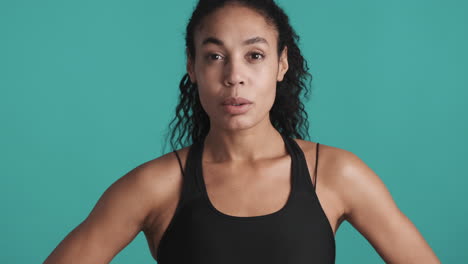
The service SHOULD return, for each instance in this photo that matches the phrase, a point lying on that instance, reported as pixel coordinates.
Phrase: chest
(279, 238)
(295, 232)
(246, 210)
(248, 189)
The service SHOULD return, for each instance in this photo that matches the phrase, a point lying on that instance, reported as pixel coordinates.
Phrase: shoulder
(156, 182)
(160, 169)
(332, 161)
(340, 172)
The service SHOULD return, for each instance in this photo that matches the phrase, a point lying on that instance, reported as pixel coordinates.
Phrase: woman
(244, 191)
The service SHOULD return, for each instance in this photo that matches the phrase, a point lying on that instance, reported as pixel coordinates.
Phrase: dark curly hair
(287, 114)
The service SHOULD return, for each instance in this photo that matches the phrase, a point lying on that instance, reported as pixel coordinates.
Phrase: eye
(214, 56)
(256, 55)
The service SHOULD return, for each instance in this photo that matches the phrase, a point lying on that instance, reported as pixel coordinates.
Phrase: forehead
(234, 24)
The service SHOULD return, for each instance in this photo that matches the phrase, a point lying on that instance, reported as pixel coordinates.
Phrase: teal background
(87, 89)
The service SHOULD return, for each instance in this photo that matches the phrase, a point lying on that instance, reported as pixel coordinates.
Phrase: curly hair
(191, 123)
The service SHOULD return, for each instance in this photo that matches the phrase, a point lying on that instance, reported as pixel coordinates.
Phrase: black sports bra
(198, 233)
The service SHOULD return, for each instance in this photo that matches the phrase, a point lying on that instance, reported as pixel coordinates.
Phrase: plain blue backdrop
(87, 89)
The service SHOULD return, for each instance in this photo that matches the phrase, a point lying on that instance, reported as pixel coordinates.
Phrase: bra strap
(180, 163)
(316, 165)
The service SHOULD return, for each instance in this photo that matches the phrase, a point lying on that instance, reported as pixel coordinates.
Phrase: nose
(233, 74)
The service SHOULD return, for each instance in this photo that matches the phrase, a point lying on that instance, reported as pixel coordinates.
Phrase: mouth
(235, 104)
(237, 109)
(236, 101)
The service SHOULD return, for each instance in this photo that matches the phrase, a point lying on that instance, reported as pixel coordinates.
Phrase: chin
(238, 123)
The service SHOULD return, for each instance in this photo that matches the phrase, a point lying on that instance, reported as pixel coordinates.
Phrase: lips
(236, 101)
(237, 109)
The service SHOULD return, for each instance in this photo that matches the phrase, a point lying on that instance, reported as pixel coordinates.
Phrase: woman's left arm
(371, 209)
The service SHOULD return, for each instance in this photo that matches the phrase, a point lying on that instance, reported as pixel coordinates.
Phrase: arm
(118, 216)
(372, 211)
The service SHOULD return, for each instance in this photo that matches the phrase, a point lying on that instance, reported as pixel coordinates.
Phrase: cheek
(209, 98)
(268, 90)
(207, 72)
(268, 97)
(208, 83)
(205, 96)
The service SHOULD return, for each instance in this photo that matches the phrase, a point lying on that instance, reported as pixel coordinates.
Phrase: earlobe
(190, 70)
(283, 64)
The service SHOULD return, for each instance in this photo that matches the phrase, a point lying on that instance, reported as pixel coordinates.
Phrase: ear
(190, 68)
(283, 64)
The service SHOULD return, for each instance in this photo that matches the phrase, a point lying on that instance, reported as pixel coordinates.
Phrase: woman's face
(236, 56)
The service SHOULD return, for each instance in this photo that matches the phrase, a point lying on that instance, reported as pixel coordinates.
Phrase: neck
(259, 142)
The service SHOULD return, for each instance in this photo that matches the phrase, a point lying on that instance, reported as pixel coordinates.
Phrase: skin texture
(145, 198)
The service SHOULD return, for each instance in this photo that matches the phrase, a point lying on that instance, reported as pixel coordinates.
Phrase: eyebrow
(249, 41)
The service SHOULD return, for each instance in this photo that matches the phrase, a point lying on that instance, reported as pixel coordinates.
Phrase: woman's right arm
(116, 219)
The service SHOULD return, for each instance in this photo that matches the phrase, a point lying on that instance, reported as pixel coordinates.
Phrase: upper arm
(371, 209)
(118, 216)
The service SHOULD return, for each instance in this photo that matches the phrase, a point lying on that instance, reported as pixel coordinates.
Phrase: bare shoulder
(159, 171)
(332, 161)
(160, 178)
(338, 171)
